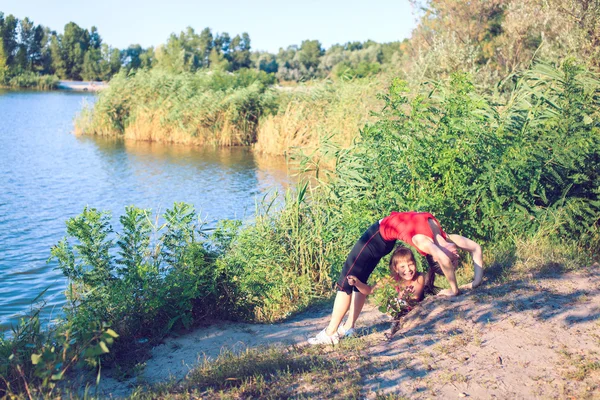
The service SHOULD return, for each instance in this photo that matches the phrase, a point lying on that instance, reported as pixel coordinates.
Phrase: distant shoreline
(82, 86)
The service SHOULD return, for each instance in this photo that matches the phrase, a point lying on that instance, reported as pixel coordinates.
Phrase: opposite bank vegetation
(511, 161)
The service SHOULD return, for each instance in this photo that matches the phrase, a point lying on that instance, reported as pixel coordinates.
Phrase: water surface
(48, 175)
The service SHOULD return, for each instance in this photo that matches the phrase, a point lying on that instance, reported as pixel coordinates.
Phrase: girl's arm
(362, 287)
(475, 250)
(418, 287)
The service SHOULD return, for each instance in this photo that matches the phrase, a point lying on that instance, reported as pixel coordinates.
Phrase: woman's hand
(352, 280)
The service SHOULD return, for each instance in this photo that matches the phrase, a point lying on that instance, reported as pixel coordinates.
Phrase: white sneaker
(343, 333)
(324, 338)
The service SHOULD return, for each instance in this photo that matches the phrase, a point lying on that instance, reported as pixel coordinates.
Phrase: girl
(410, 283)
(418, 229)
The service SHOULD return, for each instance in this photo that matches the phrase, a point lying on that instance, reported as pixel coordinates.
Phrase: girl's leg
(340, 307)
(356, 306)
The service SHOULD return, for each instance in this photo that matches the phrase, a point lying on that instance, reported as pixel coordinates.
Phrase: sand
(533, 338)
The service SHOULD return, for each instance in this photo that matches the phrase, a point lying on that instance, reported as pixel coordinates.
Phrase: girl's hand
(352, 280)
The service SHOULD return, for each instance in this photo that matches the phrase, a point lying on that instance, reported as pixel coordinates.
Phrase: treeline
(189, 52)
(80, 54)
(490, 39)
(77, 53)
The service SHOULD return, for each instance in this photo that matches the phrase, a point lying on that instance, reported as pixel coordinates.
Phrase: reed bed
(193, 108)
(225, 110)
(31, 80)
(327, 111)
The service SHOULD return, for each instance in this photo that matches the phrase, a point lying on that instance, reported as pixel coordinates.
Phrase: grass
(191, 108)
(213, 109)
(272, 372)
(310, 119)
(580, 365)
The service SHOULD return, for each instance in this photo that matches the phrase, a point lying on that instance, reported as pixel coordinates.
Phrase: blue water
(48, 175)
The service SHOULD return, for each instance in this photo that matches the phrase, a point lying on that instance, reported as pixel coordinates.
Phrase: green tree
(147, 58)
(92, 67)
(310, 54)
(132, 56)
(222, 43)
(173, 56)
(75, 43)
(8, 35)
(204, 46)
(44, 64)
(95, 39)
(266, 62)
(58, 63)
(217, 61)
(3, 65)
(115, 61)
(239, 52)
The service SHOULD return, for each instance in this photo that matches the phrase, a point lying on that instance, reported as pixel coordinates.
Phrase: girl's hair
(400, 254)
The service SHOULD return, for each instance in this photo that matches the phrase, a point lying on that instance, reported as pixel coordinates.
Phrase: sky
(270, 24)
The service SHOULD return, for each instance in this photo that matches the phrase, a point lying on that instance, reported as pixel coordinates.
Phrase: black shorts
(364, 257)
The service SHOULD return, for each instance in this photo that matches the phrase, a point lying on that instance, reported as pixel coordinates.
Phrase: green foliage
(202, 104)
(156, 278)
(29, 80)
(282, 261)
(34, 359)
(345, 70)
(390, 302)
(484, 168)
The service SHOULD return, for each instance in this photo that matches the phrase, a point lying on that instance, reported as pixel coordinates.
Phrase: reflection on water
(48, 175)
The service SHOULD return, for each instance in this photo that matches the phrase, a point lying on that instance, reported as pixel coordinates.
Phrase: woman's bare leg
(356, 306)
(340, 307)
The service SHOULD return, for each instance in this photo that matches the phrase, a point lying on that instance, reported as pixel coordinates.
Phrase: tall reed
(191, 108)
(309, 114)
(30, 80)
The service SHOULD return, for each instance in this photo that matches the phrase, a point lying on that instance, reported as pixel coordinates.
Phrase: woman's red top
(404, 225)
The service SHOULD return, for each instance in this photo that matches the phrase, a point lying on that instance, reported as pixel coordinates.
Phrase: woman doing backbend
(418, 229)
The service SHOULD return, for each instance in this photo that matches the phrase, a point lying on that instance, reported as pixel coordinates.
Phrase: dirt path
(535, 338)
(538, 338)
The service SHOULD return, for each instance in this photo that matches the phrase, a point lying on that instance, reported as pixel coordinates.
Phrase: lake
(48, 175)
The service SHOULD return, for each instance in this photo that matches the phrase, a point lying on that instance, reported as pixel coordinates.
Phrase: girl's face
(406, 269)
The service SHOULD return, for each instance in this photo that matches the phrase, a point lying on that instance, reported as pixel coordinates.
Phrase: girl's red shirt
(405, 225)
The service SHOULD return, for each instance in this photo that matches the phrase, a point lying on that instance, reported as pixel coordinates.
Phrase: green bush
(363, 69)
(143, 283)
(282, 261)
(34, 358)
(485, 168)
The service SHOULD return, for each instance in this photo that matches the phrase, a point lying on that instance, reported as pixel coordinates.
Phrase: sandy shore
(531, 338)
(82, 86)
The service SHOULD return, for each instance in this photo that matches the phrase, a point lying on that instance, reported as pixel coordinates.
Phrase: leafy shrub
(363, 69)
(143, 283)
(280, 262)
(34, 358)
(486, 169)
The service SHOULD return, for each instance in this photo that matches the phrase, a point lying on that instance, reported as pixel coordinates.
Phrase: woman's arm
(475, 250)
(362, 287)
